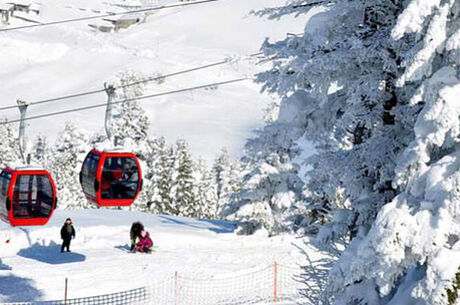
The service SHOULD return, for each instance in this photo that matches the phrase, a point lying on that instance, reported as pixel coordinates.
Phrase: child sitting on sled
(145, 243)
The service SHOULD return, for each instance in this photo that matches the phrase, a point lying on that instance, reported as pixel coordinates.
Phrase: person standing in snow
(67, 233)
(135, 233)
(145, 243)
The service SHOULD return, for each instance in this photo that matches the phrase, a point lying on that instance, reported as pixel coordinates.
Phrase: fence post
(65, 292)
(275, 267)
(176, 289)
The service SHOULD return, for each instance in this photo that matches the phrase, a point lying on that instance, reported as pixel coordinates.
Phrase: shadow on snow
(123, 247)
(18, 289)
(218, 226)
(3, 266)
(51, 254)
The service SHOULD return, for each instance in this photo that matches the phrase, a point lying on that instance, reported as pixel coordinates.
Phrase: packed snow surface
(32, 267)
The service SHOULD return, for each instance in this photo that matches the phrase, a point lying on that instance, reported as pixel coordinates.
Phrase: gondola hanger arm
(22, 106)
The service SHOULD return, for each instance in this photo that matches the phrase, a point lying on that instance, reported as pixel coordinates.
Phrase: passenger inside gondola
(119, 178)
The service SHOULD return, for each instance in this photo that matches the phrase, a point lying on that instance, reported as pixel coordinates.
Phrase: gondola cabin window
(89, 174)
(120, 178)
(32, 197)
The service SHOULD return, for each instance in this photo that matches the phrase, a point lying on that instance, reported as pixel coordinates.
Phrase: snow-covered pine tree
(379, 101)
(183, 182)
(340, 77)
(268, 197)
(205, 192)
(149, 199)
(9, 150)
(129, 118)
(411, 255)
(277, 140)
(97, 138)
(279, 137)
(41, 152)
(227, 177)
(67, 157)
(236, 173)
(161, 200)
(220, 170)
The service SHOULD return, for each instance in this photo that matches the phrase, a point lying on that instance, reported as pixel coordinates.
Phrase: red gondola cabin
(27, 196)
(111, 178)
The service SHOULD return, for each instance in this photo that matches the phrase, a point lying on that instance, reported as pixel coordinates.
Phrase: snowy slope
(58, 60)
(32, 268)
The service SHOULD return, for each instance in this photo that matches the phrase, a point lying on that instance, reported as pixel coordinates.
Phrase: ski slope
(32, 267)
(47, 62)
(51, 61)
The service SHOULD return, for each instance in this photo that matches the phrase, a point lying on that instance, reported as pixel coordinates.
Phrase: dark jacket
(65, 234)
(135, 231)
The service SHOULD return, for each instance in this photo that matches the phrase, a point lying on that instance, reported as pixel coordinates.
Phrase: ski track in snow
(32, 263)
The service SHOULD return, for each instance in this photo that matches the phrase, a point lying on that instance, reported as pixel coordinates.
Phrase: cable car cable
(106, 15)
(150, 79)
(125, 100)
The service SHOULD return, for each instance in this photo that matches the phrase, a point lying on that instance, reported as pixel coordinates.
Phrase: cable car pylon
(27, 193)
(112, 177)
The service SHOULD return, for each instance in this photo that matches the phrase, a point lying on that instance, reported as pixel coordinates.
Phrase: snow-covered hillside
(32, 267)
(52, 61)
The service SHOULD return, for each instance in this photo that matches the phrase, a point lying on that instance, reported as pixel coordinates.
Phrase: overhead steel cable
(125, 100)
(150, 79)
(156, 78)
(106, 15)
(55, 99)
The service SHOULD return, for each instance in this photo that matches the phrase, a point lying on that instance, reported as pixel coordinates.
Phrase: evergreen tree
(68, 154)
(270, 193)
(227, 178)
(221, 172)
(163, 199)
(376, 83)
(96, 139)
(340, 94)
(205, 193)
(9, 150)
(183, 182)
(410, 254)
(41, 151)
(129, 120)
(149, 198)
